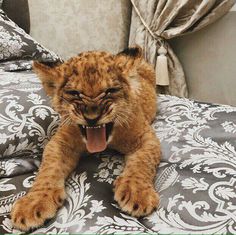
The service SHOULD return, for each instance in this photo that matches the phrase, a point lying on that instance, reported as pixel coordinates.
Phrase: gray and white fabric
(155, 21)
(196, 178)
(18, 65)
(15, 43)
(26, 119)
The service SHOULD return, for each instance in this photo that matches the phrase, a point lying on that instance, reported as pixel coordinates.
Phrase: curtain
(155, 21)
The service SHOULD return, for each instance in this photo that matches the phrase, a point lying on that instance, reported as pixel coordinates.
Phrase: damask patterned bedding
(196, 178)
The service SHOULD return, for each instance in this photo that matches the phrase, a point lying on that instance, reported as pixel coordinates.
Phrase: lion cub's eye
(73, 93)
(112, 90)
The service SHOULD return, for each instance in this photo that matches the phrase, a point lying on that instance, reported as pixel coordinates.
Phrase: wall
(71, 26)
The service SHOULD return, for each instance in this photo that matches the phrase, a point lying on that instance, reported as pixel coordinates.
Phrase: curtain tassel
(162, 74)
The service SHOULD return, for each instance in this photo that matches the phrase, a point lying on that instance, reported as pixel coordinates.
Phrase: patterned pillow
(26, 119)
(15, 43)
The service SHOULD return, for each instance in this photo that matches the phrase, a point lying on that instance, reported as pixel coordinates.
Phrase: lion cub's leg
(134, 189)
(48, 191)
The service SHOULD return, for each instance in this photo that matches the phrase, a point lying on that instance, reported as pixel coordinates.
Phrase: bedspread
(196, 178)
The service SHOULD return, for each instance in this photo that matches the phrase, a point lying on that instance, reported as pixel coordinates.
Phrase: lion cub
(105, 101)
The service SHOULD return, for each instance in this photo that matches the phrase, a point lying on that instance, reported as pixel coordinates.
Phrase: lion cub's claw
(32, 210)
(135, 197)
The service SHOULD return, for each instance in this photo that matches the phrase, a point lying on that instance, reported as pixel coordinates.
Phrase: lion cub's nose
(91, 122)
(92, 115)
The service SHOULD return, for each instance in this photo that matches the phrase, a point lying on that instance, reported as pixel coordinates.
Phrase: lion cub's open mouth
(96, 136)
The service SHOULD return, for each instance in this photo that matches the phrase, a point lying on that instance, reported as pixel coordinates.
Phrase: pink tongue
(96, 139)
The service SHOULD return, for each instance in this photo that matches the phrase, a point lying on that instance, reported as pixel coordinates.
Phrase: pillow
(18, 65)
(15, 43)
(26, 119)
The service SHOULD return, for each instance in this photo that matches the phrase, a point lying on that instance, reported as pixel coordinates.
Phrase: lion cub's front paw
(32, 210)
(135, 197)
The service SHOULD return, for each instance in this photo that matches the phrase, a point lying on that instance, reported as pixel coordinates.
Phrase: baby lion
(105, 101)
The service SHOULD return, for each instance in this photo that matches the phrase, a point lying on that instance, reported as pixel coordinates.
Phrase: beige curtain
(155, 21)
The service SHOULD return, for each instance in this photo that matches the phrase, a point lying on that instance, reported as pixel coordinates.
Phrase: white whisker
(66, 121)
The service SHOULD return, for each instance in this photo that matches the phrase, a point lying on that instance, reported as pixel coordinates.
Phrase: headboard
(18, 11)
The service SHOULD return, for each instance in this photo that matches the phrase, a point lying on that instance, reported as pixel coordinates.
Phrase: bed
(196, 178)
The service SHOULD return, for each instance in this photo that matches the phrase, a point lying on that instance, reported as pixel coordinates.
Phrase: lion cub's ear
(129, 58)
(128, 61)
(132, 52)
(49, 76)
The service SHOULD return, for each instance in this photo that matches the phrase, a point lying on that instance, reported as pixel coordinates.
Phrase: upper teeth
(93, 126)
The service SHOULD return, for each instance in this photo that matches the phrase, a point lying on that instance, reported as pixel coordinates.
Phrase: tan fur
(132, 110)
